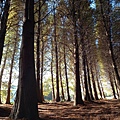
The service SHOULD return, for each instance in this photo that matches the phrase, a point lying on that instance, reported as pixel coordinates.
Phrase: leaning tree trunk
(3, 26)
(2, 70)
(25, 105)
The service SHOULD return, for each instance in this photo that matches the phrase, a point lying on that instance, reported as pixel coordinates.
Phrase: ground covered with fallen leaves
(95, 110)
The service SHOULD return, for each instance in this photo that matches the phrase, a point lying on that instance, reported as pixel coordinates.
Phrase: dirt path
(97, 110)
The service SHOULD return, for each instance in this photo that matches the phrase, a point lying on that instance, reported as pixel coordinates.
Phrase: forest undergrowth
(95, 110)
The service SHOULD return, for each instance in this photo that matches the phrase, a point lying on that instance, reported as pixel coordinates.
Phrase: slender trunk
(102, 90)
(56, 53)
(2, 70)
(66, 74)
(53, 91)
(41, 78)
(4, 26)
(116, 86)
(61, 82)
(10, 77)
(38, 58)
(112, 85)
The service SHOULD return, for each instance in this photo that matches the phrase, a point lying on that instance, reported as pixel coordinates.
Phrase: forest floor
(96, 110)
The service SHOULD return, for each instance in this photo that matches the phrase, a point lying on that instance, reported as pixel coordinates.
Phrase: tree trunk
(112, 85)
(25, 105)
(98, 84)
(4, 26)
(38, 58)
(53, 90)
(66, 74)
(87, 95)
(10, 77)
(2, 70)
(61, 82)
(94, 85)
(78, 94)
(56, 53)
(41, 77)
(89, 82)
(102, 90)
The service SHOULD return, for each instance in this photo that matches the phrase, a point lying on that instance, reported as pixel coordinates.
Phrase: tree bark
(25, 105)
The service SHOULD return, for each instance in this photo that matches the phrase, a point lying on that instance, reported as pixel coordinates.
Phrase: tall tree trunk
(66, 74)
(56, 53)
(25, 105)
(4, 26)
(107, 26)
(11, 70)
(2, 70)
(38, 57)
(53, 90)
(78, 94)
(41, 77)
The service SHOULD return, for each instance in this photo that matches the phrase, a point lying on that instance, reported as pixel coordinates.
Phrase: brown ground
(97, 110)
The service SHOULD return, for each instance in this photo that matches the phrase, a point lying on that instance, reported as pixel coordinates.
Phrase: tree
(107, 26)
(3, 24)
(2, 70)
(78, 94)
(38, 55)
(56, 55)
(25, 105)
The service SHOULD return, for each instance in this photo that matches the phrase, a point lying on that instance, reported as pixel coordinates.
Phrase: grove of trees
(67, 49)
